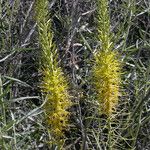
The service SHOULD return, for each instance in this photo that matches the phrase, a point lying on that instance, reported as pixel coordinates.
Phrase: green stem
(140, 104)
(2, 103)
(145, 120)
(109, 134)
(137, 130)
(3, 113)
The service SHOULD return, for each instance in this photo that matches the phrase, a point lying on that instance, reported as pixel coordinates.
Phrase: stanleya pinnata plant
(54, 85)
(107, 68)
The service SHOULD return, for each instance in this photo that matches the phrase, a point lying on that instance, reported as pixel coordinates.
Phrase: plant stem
(140, 104)
(109, 134)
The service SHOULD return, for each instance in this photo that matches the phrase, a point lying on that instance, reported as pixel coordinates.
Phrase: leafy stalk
(106, 70)
(54, 85)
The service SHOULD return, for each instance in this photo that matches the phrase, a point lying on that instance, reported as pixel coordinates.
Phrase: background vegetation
(22, 124)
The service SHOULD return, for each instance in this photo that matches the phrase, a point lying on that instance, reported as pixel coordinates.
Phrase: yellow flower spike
(54, 85)
(107, 80)
(107, 68)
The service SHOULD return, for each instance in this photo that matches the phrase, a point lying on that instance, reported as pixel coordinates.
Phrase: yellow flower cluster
(107, 80)
(55, 88)
(54, 85)
(106, 70)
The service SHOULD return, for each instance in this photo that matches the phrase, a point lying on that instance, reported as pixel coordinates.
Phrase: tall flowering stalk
(54, 85)
(106, 70)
